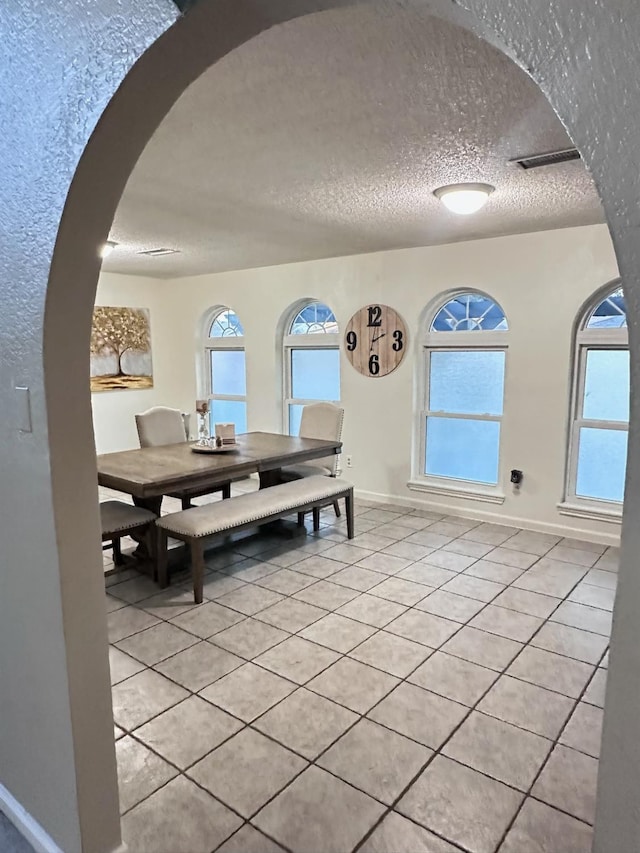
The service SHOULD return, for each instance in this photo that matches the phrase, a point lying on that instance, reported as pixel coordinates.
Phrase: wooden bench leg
(300, 519)
(152, 539)
(336, 507)
(348, 506)
(316, 518)
(162, 557)
(197, 569)
(226, 491)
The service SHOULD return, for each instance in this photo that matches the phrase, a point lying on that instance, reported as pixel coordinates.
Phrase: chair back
(160, 425)
(323, 420)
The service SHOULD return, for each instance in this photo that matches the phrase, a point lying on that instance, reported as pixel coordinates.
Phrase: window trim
(453, 341)
(586, 340)
(314, 340)
(220, 344)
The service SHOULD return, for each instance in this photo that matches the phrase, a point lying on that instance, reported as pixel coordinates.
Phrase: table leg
(142, 552)
(269, 478)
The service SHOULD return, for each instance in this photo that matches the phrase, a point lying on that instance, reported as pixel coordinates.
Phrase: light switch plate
(23, 409)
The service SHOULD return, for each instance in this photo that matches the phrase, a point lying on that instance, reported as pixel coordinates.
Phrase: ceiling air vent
(550, 159)
(158, 253)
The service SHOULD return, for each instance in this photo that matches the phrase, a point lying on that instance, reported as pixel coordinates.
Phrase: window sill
(576, 510)
(455, 490)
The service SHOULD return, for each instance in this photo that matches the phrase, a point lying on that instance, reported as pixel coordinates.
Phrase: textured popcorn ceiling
(326, 137)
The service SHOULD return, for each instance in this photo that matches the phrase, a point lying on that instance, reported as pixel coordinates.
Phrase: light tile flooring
(10, 839)
(434, 685)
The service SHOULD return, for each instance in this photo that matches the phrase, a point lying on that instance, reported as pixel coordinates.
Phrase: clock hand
(377, 338)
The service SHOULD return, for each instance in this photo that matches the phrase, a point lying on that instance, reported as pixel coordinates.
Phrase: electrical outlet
(349, 461)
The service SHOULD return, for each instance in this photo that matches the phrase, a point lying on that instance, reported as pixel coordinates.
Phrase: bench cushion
(254, 506)
(117, 517)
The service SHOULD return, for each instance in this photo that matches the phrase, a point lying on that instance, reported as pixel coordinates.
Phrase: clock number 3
(352, 341)
(375, 315)
(398, 342)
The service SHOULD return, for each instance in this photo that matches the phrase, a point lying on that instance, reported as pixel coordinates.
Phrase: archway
(61, 174)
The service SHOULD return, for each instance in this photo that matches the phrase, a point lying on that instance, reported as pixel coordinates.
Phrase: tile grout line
(555, 743)
(342, 655)
(256, 615)
(410, 607)
(439, 751)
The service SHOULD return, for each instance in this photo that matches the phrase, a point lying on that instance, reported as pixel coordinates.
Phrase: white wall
(541, 280)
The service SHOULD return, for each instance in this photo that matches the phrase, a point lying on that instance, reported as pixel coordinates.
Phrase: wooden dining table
(148, 473)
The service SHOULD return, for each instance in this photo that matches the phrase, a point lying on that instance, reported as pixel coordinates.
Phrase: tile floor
(10, 839)
(434, 685)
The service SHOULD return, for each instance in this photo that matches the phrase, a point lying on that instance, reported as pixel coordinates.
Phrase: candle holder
(202, 409)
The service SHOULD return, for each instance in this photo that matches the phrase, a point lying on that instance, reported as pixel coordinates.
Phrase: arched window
(600, 403)
(225, 369)
(311, 359)
(462, 390)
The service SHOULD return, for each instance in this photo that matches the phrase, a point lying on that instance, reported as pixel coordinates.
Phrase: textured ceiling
(326, 137)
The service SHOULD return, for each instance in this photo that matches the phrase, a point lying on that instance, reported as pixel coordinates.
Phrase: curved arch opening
(175, 60)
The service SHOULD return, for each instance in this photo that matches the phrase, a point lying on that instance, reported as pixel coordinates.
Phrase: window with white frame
(225, 370)
(463, 371)
(311, 360)
(600, 416)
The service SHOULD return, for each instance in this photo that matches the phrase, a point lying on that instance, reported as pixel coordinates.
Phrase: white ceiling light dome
(464, 198)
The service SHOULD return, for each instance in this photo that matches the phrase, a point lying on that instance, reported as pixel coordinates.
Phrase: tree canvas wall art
(120, 349)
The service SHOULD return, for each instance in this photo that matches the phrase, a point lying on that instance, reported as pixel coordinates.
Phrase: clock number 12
(375, 315)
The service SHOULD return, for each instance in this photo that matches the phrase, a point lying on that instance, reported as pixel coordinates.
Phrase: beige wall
(541, 280)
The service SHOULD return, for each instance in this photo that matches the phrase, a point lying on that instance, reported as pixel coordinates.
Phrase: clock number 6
(374, 365)
(375, 315)
(352, 341)
(398, 343)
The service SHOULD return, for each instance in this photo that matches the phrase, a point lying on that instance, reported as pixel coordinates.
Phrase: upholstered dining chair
(319, 420)
(162, 425)
(120, 519)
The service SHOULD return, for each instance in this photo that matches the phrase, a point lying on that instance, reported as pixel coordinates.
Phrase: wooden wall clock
(375, 340)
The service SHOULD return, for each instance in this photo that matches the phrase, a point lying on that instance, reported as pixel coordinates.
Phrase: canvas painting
(120, 349)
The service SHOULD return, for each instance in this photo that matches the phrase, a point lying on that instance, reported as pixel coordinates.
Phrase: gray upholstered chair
(119, 519)
(319, 420)
(161, 425)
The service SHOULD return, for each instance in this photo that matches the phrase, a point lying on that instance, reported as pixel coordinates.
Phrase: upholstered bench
(200, 524)
(119, 519)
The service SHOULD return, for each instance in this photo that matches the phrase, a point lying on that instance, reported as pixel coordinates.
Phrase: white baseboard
(557, 529)
(30, 829)
(26, 825)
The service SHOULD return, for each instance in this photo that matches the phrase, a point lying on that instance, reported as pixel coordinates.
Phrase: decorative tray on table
(207, 448)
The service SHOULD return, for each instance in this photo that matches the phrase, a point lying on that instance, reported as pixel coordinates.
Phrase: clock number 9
(374, 365)
(352, 341)
(398, 343)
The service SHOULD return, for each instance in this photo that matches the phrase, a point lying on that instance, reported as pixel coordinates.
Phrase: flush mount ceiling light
(108, 247)
(464, 198)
